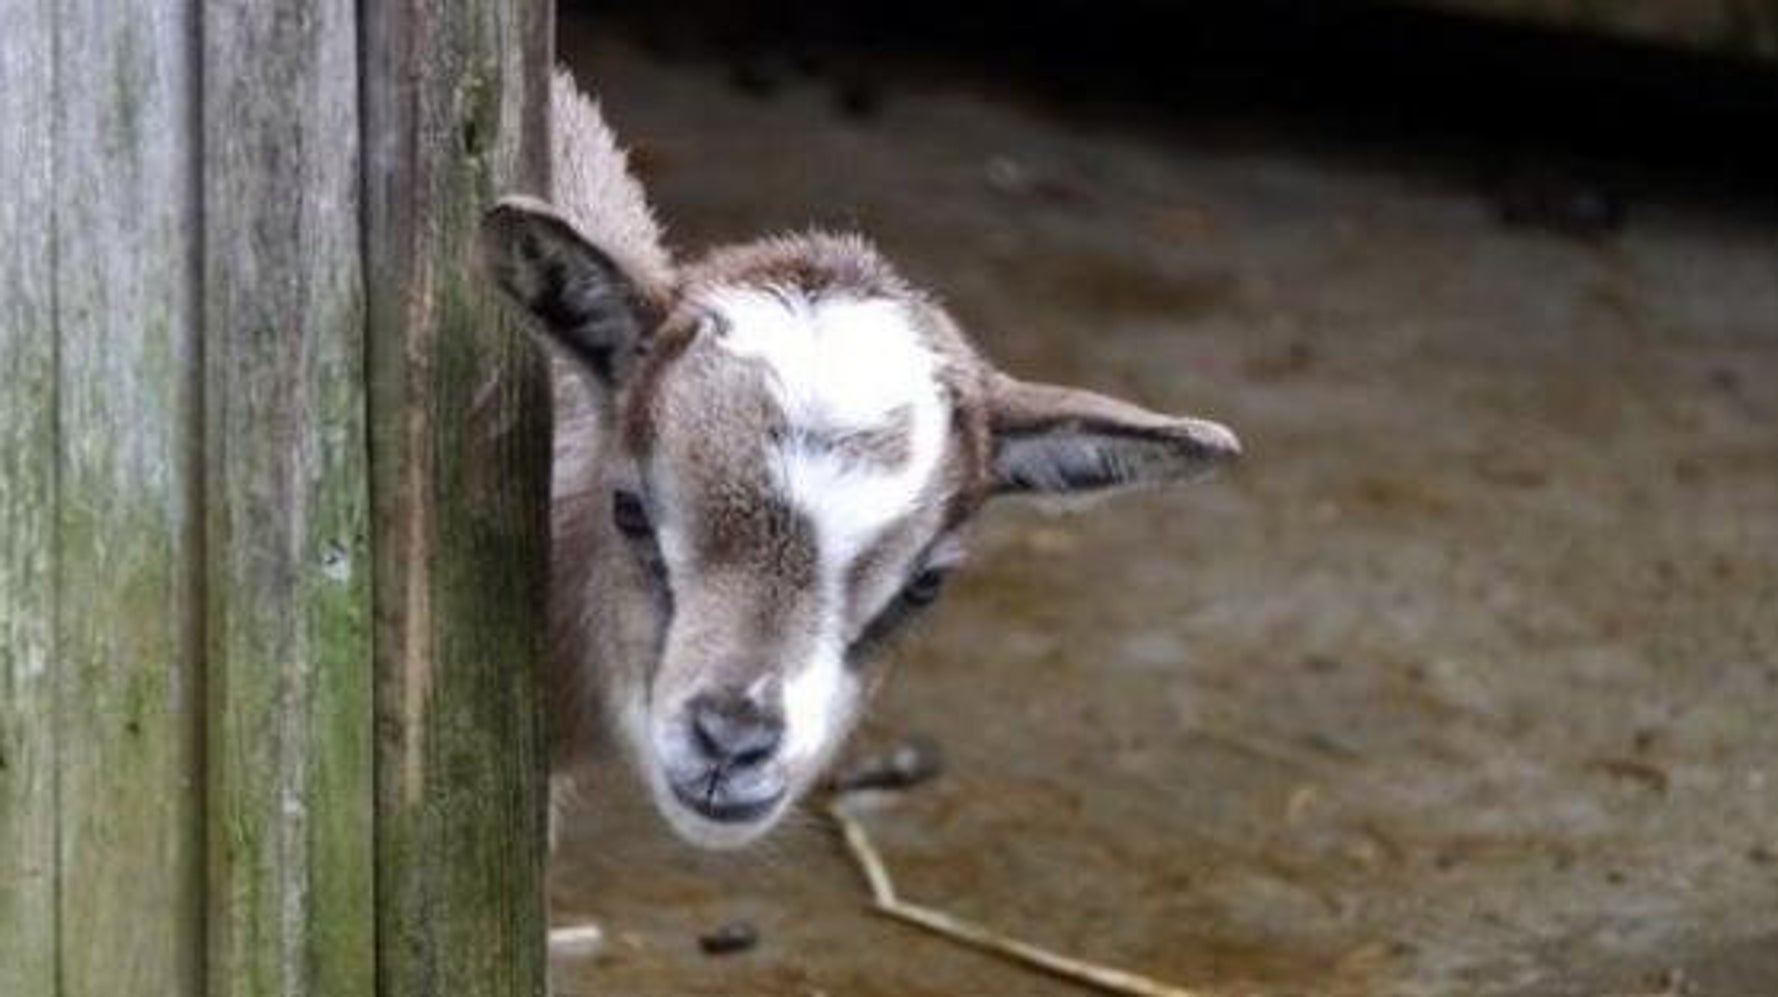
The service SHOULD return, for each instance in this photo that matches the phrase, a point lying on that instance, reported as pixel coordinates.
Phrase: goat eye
(925, 586)
(629, 515)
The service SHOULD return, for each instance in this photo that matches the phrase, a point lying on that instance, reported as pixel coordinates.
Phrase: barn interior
(1463, 682)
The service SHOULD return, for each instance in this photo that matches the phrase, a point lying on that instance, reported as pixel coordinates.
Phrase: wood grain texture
(127, 675)
(27, 502)
(188, 763)
(455, 98)
(290, 824)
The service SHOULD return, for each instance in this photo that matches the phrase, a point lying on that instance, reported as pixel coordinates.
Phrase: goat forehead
(829, 405)
(864, 421)
(834, 363)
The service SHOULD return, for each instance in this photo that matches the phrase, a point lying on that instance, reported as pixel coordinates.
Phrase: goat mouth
(710, 799)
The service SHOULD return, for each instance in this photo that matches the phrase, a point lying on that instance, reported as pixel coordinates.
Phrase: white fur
(839, 365)
(815, 699)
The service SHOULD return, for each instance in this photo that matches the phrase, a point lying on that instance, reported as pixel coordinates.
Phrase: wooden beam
(127, 674)
(288, 561)
(28, 755)
(455, 98)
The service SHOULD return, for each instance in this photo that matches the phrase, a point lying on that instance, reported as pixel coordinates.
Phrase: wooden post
(273, 485)
(288, 561)
(28, 760)
(100, 781)
(126, 655)
(455, 103)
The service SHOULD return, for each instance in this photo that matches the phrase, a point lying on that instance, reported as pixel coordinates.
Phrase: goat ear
(582, 299)
(1054, 440)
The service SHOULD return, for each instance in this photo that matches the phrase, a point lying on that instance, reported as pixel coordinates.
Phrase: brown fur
(649, 403)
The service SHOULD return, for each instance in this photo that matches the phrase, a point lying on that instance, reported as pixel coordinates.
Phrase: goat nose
(732, 729)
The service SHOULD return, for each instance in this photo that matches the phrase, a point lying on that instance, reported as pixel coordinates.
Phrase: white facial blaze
(839, 365)
(814, 702)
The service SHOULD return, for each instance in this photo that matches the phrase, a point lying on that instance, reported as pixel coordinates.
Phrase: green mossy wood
(461, 487)
(273, 485)
(287, 541)
(125, 664)
(27, 504)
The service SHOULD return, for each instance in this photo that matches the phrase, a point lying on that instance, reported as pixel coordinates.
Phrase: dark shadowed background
(1464, 682)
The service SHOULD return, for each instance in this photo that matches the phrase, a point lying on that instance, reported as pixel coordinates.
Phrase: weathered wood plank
(455, 98)
(127, 677)
(27, 502)
(290, 683)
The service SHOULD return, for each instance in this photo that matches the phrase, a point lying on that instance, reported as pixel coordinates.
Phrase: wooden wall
(273, 473)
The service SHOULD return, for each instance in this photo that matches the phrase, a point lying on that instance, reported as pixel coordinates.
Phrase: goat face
(794, 438)
(789, 479)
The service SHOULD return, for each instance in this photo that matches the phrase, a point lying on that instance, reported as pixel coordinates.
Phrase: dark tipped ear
(582, 300)
(1055, 440)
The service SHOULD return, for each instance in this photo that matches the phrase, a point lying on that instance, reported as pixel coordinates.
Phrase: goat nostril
(735, 730)
(754, 756)
(704, 733)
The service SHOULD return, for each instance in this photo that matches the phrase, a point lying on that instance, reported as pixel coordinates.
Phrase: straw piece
(884, 900)
(882, 889)
(578, 941)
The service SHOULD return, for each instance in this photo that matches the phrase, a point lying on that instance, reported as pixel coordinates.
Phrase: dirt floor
(1465, 683)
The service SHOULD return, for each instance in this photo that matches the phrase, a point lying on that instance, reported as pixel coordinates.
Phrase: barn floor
(1464, 684)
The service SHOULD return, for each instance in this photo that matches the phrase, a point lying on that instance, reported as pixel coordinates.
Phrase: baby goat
(763, 460)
